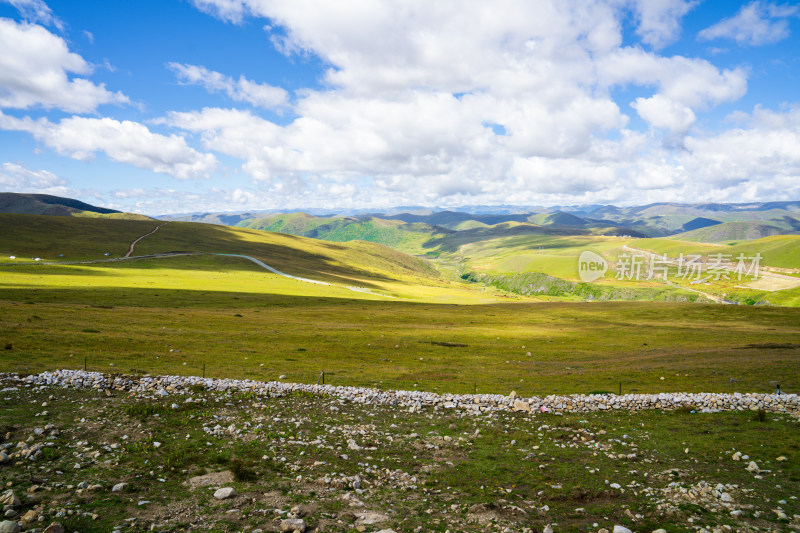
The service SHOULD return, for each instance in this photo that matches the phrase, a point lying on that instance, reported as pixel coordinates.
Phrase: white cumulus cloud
(663, 113)
(18, 178)
(756, 23)
(36, 11)
(126, 142)
(35, 68)
(241, 90)
(659, 20)
(463, 100)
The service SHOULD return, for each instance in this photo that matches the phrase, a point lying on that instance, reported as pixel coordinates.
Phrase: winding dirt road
(135, 241)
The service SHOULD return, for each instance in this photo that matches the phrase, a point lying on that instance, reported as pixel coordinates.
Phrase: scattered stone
(214, 478)
(737, 456)
(119, 487)
(29, 517)
(369, 517)
(781, 458)
(753, 467)
(622, 529)
(4, 458)
(293, 524)
(55, 527)
(224, 493)
(520, 405)
(9, 498)
(9, 526)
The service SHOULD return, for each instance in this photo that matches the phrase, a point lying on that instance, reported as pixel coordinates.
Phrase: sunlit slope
(782, 251)
(66, 238)
(364, 265)
(299, 256)
(553, 255)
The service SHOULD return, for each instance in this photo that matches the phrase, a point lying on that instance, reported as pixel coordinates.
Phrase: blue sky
(226, 105)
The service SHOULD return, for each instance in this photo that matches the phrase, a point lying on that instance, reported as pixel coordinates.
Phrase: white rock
(293, 524)
(622, 529)
(753, 467)
(119, 487)
(737, 456)
(224, 493)
(9, 526)
(519, 405)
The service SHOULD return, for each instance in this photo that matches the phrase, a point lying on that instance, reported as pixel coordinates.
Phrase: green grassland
(781, 251)
(554, 255)
(412, 329)
(548, 265)
(148, 317)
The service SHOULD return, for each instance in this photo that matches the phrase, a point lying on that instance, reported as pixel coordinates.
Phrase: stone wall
(415, 400)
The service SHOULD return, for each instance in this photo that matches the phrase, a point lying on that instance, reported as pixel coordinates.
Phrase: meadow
(413, 329)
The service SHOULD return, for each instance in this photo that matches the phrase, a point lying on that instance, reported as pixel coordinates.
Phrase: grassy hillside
(74, 238)
(731, 231)
(781, 251)
(407, 237)
(361, 264)
(87, 238)
(553, 254)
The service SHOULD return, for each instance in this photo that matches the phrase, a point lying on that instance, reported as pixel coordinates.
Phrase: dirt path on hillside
(135, 241)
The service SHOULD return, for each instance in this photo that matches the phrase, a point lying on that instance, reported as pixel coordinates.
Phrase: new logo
(591, 266)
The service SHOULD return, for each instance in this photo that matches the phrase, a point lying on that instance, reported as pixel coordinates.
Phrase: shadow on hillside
(451, 243)
(111, 297)
(321, 264)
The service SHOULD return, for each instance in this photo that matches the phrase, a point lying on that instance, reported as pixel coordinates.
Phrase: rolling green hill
(85, 238)
(408, 237)
(732, 231)
(782, 251)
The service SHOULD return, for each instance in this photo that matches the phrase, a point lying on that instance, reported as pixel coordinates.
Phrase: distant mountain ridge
(46, 204)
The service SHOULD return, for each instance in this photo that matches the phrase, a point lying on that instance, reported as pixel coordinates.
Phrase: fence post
(321, 378)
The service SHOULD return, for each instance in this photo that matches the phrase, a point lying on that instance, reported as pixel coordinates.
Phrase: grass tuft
(145, 409)
(242, 472)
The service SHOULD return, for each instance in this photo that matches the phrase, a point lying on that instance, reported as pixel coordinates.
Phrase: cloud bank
(444, 103)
